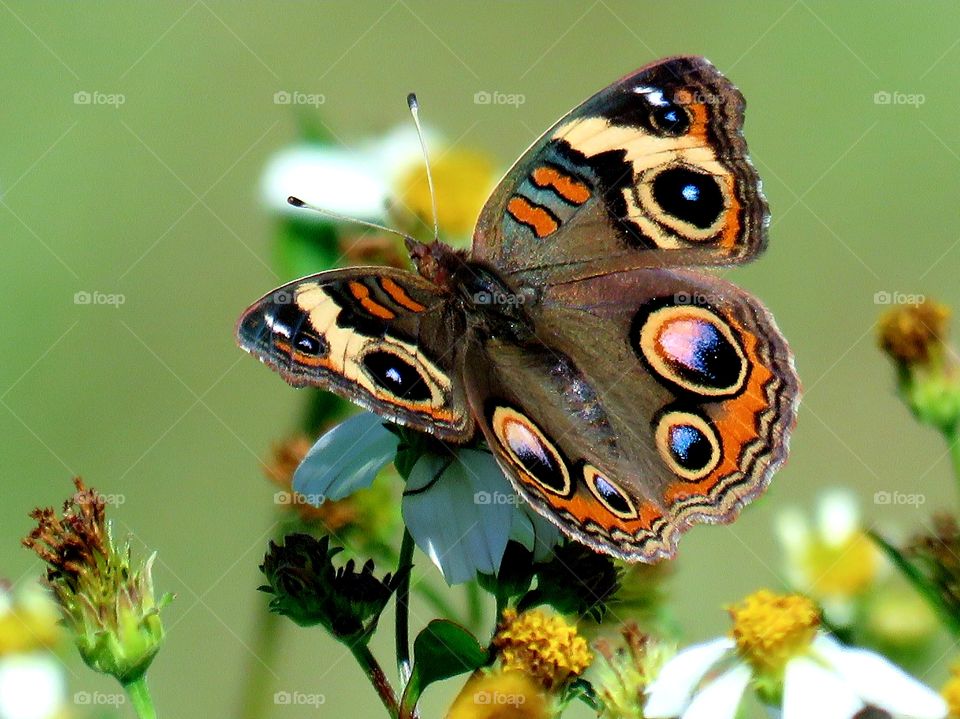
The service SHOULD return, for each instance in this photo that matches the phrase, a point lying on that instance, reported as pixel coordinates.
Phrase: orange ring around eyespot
(590, 476)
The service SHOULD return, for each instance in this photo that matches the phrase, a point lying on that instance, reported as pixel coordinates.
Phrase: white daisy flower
(779, 651)
(460, 509)
(31, 686)
(831, 559)
(355, 182)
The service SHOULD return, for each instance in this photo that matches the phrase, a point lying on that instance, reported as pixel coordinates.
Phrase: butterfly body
(626, 395)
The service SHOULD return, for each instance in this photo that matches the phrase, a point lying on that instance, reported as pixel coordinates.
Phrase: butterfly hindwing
(652, 171)
(383, 338)
(677, 410)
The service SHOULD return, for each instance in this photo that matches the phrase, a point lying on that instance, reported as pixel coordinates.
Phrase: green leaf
(443, 650)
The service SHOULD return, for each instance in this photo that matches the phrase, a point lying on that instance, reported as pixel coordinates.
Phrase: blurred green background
(157, 200)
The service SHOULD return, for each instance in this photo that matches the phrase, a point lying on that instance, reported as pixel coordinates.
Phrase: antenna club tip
(296, 201)
(412, 101)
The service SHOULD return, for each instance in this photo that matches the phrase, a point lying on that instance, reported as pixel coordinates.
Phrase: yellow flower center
(770, 629)
(841, 570)
(500, 695)
(951, 692)
(463, 180)
(542, 646)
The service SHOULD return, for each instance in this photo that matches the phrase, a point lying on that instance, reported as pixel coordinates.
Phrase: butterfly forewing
(650, 172)
(383, 338)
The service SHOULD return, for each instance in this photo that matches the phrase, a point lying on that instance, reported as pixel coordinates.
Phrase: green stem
(953, 442)
(474, 606)
(140, 698)
(404, 568)
(371, 667)
(256, 685)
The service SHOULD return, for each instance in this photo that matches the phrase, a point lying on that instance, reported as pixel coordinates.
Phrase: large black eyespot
(311, 344)
(690, 196)
(670, 119)
(689, 446)
(397, 376)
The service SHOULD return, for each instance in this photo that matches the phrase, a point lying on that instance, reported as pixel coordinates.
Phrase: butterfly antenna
(414, 106)
(297, 202)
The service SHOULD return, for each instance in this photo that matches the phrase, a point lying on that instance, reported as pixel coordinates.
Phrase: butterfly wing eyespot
(379, 337)
(652, 171)
(669, 396)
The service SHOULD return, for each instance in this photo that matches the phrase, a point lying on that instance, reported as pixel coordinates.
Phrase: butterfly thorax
(491, 305)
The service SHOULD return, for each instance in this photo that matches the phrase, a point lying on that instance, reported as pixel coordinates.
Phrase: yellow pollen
(951, 692)
(770, 629)
(542, 646)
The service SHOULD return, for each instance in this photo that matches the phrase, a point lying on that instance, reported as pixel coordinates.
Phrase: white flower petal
(459, 518)
(670, 692)
(31, 687)
(399, 150)
(345, 459)
(810, 690)
(721, 697)
(881, 683)
(343, 181)
(838, 516)
(793, 531)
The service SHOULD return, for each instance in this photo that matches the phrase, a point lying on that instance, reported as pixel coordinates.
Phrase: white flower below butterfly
(778, 649)
(460, 509)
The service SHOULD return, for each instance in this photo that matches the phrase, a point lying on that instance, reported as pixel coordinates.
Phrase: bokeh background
(157, 200)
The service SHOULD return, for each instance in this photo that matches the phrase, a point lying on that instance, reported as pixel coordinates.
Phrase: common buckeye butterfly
(625, 395)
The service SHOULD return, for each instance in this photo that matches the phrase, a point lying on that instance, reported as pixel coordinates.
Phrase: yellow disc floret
(463, 179)
(543, 646)
(770, 629)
